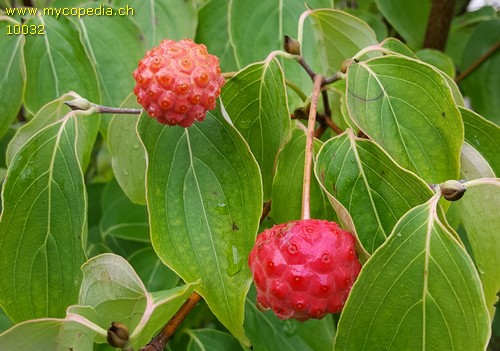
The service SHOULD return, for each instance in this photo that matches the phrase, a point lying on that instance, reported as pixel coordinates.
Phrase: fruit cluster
(178, 82)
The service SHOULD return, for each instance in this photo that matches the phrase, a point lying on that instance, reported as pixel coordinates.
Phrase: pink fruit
(304, 269)
(178, 82)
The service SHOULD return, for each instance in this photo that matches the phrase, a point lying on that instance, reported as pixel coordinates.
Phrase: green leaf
(162, 19)
(128, 153)
(483, 84)
(472, 164)
(268, 333)
(373, 189)
(112, 291)
(211, 340)
(155, 275)
(121, 218)
(395, 46)
(438, 60)
(409, 18)
(12, 76)
(205, 227)
(43, 226)
(480, 213)
(114, 45)
(484, 136)
(374, 21)
(215, 34)
(59, 60)
(48, 334)
(339, 36)
(419, 290)
(260, 113)
(407, 107)
(53, 112)
(287, 183)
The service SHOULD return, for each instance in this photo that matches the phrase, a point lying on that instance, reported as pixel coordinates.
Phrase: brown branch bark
(159, 341)
(477, 63)
(438, 27)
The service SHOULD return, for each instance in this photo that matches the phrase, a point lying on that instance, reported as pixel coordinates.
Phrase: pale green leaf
(58, 60)
(255, 100)
(43, 226)
(484, 136)
(418, 291)
(480, 213)
(407, 107)
(287, 183)
(12, 74)
(112, 291)
(472, 164)
(50, 113)
(339, 36)
(409, 19)
(48, 334)
(162, 19)
(128, 153)
(155, 275)
(375, 21)
(370, 186)
(204, 197)
(395, 46)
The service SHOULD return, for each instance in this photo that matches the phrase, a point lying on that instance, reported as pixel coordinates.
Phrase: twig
(478, 62)
(159, 341)
(331, 124)
(306, 185)
(265, 211)
(306, 67)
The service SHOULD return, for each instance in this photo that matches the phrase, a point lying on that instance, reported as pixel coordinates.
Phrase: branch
(439, 24)
(306, 185)
(477, 63)
(159, 341)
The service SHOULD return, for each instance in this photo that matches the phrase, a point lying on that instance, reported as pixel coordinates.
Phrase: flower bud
(452, 190)
(117, 335)
(292, 46)
(79, 104)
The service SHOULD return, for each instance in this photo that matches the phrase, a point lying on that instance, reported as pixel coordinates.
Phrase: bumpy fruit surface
(304, 269)
(178, 82)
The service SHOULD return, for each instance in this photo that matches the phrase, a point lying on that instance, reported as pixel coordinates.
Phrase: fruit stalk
(306, 185)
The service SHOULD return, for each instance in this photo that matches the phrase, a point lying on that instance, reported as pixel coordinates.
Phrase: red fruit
(304, 269)
(178, 82)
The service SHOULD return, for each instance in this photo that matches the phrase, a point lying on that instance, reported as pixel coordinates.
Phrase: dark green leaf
(114, 45)
(375, 191)
(409, 18)
(438, 60)
(121, 218)
(12, 74)
(268, 333)
(483, 84)
(211, 340)
(162, 19)
(255, 100)
(287, 183)
(204, 200)
(59, 60)
(418, 291)
(407, 107)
